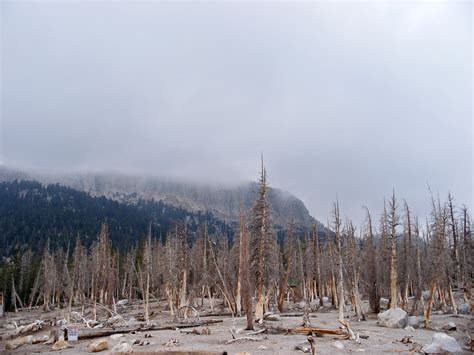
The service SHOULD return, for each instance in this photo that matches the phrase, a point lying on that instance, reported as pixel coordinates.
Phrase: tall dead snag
(393, 223)
(171, 278)
(317, 263)
(145, 275)
(437, 234)
(287, 260)
(47, 265)
(244, 272)
(182, 255)
(353, 271)
(339, 265)
(406, 260)
(455, 250)
(262, 243)
(419, 282)
(100, 268)
(373, 287)
(467, 255)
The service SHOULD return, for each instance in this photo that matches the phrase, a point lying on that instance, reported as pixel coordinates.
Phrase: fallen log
(307, 331)
(97, 333)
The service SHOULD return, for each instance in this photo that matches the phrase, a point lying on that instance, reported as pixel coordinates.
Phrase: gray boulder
(414, 322)
(442, 343)
(463, 308)
(393, 318)
(449, 326)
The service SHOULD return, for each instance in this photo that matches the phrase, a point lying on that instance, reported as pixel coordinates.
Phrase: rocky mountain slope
(222, 201)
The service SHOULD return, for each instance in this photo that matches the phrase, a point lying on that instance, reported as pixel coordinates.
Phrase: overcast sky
(346, 98)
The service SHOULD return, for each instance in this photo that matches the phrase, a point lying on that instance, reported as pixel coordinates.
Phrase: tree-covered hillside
(32, 213)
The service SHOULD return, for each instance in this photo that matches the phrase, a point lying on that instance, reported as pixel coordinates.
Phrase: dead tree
(419, 281)
(467, 255)
(244, 272)
(262, 243)
(353, 271)
(287, 259)
(373, 287)
(393, 223)
(339, 265)
(406, 260)
(455, 250)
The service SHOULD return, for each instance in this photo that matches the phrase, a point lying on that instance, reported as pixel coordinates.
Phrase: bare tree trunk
(340, 276)
(393, 253)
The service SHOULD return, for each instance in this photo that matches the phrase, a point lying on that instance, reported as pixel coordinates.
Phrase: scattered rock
(98, 345)
(60, 345)
(442, 343)
(261, 347)
(116, 336)
(407, 339)
(325, 299)
(273, 318)
(414, 322)
(393, 318)
(409, 328)
(16, 343)
(76, 316)
(463, 308)
(122, 348)
(383, 302)
(338, 345)
(122, 302)
(440, 313)
(304, 347)
(132, 321)
(171, 342)
(449, 326)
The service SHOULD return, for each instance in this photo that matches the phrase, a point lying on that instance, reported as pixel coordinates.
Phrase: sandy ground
(380, 340)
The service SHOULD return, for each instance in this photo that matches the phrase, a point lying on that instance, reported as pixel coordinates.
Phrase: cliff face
(223, 201)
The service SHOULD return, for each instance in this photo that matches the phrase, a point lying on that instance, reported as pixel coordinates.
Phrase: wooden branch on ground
(244, 339)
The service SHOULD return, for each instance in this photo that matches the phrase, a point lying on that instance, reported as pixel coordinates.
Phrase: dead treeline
(395, 256)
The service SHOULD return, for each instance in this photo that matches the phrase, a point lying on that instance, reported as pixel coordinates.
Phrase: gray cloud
(342, 98)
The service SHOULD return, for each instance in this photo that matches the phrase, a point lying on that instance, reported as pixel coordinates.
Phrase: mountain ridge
(223, 201)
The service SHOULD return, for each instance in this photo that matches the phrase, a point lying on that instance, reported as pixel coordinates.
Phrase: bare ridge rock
(393, 318)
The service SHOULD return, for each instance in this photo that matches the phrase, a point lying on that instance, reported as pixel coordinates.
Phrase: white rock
(122, 348)
(338, 345)
(409, 328)
(442, 343)
(116, 336)
(393, 318)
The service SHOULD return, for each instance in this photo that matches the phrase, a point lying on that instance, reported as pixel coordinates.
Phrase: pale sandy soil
(381, 340)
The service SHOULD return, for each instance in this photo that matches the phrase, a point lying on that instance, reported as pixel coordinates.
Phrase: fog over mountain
(347, 99)
(223, 201)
